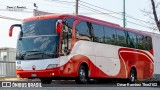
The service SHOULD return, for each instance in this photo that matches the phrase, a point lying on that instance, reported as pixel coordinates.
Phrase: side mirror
(11, 28)
(59, 26)
(10, 31)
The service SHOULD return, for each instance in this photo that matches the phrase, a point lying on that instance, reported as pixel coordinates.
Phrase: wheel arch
(85, 64)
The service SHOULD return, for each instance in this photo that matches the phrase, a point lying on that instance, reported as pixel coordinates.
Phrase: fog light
(18, 68)
(50, 66)
(52, 74)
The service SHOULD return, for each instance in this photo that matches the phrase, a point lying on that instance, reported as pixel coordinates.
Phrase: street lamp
(35, 10)
(35, 6)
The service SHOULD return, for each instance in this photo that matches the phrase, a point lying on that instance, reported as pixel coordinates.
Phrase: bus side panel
(156, 50)
(144, 69)
(141, 60)
(71, 68)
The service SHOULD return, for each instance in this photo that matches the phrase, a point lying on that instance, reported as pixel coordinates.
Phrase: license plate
(34, 75)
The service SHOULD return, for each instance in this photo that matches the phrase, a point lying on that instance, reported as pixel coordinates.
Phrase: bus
(81, 48)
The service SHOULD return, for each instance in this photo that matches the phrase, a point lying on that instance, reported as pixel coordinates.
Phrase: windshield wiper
(44, 54)
(26, 52)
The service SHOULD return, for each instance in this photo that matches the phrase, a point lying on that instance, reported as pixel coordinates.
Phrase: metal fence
(7, 63)
(7, 69)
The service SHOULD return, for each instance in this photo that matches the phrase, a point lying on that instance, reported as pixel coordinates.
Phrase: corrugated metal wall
(7, 69)
(7, 62)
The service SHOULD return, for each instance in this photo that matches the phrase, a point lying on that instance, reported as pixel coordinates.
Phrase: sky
(107, 10)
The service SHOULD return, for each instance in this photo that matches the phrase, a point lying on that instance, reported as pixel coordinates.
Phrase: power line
(64, 1)
(115, 12)
(115, 17)
(69, 3)
(40, 4)
(89, 8)
(99, 11)
(61, 2)
(8, 5)
(101, 8)
(138, 19)
(92, 11)
(26, 8)
(16, 11)
(9, 18)
(95, 10)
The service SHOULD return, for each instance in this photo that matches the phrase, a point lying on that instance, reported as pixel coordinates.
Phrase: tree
(155, 14)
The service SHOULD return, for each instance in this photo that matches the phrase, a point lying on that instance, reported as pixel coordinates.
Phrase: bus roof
(89, 19)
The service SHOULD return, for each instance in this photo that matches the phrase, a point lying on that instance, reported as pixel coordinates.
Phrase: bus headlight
(50, 66)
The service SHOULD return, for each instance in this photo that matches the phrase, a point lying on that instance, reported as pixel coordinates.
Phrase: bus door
(66, 40)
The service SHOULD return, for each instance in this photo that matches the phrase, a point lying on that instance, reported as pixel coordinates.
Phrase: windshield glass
(39, 40)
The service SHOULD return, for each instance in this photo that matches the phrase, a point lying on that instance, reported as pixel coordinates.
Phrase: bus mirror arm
(11, 28)
(20, 35)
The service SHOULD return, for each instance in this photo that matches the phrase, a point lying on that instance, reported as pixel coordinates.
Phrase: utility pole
(76, 8)
(124, 14)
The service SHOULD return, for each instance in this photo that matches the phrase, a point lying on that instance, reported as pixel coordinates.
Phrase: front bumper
(38, 73)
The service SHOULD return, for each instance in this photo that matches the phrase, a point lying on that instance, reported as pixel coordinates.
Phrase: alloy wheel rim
(82, 75)
(132, 78)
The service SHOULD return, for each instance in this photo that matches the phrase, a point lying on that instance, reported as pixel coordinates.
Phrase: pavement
(12, 79)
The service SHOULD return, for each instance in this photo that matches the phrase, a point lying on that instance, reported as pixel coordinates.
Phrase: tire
(46, 80)
(92, 81)
(82, 75)
(132, 78)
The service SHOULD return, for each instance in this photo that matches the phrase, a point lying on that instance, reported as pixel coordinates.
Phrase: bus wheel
(46, 80)
(132, 78)
(82, 75)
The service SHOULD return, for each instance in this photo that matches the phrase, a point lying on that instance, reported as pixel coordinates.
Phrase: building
(38, 13)
(7, 62)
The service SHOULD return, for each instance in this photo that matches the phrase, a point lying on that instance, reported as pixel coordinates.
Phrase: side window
(110, 35)
(148, 43)
(140, 42)
(69, 22)
(98, 33)
(83, 31)
(132, 41)
(121, 38)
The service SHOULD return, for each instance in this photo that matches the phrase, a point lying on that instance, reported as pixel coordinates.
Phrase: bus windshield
(38, 41)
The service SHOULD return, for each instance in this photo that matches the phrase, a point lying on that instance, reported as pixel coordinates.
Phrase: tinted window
(67, 36)
(140, 42)
(69, 22)
(82, 31)
(46, 44)
(121, 38)
(148, 43)
(68, 26)
(39, 27)
(132, 41)
(98, 33)
(110, 35)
